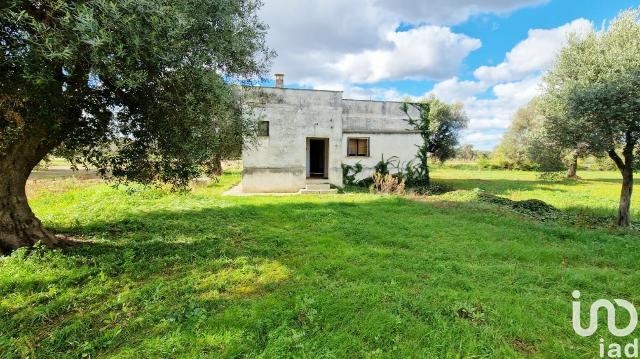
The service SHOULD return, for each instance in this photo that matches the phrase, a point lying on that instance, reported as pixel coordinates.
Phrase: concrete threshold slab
(237, 191)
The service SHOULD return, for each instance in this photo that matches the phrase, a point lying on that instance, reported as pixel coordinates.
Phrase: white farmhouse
(306, 135)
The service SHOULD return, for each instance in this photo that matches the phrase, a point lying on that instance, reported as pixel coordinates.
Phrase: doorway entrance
(317, 158)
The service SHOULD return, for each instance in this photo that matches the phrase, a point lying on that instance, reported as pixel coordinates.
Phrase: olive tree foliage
(140, 89)
(231, 134)
(526, 145)
(592, 95)
(439, 125)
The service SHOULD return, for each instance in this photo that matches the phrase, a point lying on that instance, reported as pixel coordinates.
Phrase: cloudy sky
(488, 54)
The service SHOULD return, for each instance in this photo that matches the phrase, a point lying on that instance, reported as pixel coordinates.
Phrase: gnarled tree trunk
(573, 166)
(626, 169)
(214, 166)
(19, 227)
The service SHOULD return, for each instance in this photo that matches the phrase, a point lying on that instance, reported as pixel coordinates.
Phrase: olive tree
(232, 133)
(439, 125)
(595, 85)
(466, 153)
(139, 89)
(527, 144)
(521, 139)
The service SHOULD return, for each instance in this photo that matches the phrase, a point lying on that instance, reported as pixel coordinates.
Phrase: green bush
(349, 173)
(551, 176)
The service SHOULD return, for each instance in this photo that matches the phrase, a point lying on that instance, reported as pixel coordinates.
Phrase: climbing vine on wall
(421, 124)
(349, 173)
(439, 125)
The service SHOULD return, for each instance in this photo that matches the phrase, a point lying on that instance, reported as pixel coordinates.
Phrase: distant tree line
(528, 145)
(467, 153)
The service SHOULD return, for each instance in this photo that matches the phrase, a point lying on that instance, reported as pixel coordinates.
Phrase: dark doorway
(317, 158)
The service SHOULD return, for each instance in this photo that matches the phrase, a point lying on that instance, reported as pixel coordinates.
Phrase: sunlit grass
(596, 191)
(350, 275)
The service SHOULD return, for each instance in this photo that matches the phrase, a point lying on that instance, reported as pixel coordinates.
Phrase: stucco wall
(384, 123)
(278, 163)
(374, 115)
(401, 146)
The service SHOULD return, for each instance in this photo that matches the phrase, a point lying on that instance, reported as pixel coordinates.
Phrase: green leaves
(439, 125)
(139, 89)
(595, 85)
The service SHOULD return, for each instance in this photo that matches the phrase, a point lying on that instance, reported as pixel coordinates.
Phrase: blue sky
(488, 55)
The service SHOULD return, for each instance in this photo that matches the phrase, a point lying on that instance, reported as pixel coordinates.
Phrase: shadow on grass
(228, 280)
(503, 186)
(112, 296)
(154, 273)
(604, 180)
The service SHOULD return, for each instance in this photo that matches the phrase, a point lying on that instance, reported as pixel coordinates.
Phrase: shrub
(603, 163)
(386, 183)
(412, 174)
(433, 189)
(531, 207)
(551, 176)
(349, 173)
(382, 167)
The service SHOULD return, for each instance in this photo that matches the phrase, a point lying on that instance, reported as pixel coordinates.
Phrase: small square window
(358, 147)
(263, 128)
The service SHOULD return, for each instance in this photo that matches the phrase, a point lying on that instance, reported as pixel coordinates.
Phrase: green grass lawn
(349, 275)
(597, 192)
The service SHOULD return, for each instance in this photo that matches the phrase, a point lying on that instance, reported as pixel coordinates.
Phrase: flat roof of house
(316, 90)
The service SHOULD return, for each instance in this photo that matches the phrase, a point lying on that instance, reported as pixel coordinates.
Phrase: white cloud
(427, 52)
(316, 38)
(513, 83)
(496, 113)
(454, 90)
(481, 137)
(536, 53)
(448, 12)
(335, 44)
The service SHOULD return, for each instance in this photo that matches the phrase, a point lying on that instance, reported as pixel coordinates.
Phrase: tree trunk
(625, 198)
(216, 166)
(573, 166)
(213, 167)
(18, 225)
(626, 169)
(427, 176)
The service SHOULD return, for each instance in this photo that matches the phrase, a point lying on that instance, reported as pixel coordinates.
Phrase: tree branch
(614, 156)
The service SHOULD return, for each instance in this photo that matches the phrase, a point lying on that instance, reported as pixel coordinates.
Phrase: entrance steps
(318, 188)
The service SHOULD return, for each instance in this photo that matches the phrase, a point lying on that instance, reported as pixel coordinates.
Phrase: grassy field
(349, 275)
(597, 192)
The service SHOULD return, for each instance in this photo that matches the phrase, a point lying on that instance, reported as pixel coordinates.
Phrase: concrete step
(318, 191)
(317, 186)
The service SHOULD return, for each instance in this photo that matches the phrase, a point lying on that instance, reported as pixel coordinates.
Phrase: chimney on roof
(279, 80)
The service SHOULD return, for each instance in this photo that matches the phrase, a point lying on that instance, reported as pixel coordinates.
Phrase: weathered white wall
(402, 146)
(278, 163)
(384, 123)
(375, 115)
